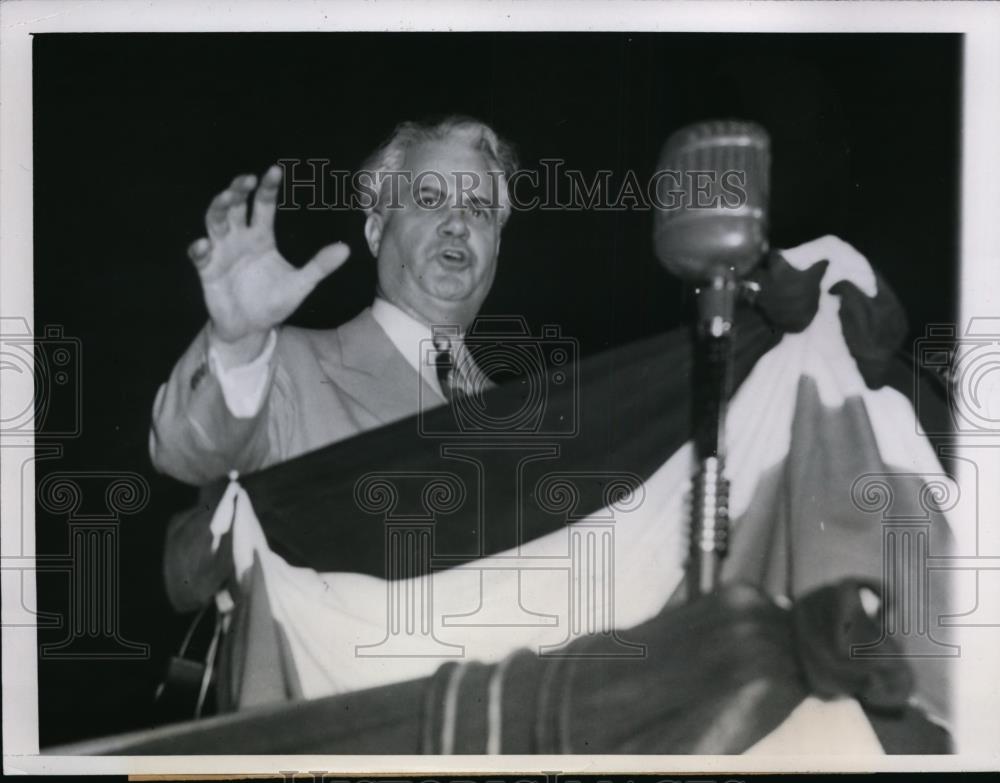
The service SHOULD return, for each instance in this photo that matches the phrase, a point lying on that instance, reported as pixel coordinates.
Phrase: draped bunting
(375, 560)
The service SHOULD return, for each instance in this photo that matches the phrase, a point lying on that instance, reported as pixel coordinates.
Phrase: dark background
(135, 133)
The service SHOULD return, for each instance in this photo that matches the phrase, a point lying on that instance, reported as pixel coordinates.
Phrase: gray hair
(391, 156)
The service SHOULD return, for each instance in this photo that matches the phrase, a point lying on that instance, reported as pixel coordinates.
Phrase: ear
(373, 232)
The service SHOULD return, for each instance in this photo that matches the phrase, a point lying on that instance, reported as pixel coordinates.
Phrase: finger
(266, 200)
(240, 189)
(199, 251)
(244, 182)
(218, 220)
(324, 263)
(217, 216)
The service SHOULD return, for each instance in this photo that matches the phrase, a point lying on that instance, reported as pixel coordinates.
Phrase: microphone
(713, 182)
(711, 230)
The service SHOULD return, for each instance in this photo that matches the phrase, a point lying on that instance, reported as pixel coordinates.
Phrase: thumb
(324, 263)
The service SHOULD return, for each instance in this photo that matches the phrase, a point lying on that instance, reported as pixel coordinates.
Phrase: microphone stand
(709, 541)
(712, 240)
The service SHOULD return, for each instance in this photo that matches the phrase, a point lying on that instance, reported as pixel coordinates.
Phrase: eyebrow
(478, 201)
(485, 203)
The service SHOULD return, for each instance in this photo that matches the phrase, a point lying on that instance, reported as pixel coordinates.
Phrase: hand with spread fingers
(249, 287)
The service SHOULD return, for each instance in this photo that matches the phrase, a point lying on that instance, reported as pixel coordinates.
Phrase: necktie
(444, 364)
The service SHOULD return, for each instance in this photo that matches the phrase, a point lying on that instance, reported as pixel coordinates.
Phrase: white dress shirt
(412, 338)
(244, 386)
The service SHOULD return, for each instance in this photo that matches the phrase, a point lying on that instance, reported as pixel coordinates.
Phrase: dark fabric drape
(631, 412)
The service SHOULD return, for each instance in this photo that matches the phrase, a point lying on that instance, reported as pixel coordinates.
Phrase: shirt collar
(410, 336)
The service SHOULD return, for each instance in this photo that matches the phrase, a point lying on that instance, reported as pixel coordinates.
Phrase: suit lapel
(370, 369)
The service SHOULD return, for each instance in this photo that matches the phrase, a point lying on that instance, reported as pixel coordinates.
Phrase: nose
(454, 223)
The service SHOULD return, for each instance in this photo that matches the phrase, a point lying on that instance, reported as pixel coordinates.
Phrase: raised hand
(249, 287)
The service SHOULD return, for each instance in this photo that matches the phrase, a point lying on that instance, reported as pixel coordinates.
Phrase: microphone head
(712, 186)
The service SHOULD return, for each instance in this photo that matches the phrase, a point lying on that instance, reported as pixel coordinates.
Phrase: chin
(452, 290)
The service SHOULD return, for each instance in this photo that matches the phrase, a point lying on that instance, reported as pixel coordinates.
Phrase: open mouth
(454, 256)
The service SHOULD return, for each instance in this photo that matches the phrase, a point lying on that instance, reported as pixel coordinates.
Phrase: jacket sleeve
(194, 437)
(192, 572)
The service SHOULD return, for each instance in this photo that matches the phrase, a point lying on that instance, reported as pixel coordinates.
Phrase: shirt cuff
(244, 386)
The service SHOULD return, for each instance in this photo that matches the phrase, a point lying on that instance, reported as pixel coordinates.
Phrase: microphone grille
(713, 183)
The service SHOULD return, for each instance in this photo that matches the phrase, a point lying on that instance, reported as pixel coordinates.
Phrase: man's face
(437, 253)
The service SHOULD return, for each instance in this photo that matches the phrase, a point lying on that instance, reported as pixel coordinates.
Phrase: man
(250, 392)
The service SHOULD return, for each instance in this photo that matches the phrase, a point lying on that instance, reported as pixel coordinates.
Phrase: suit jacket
(326, 385)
